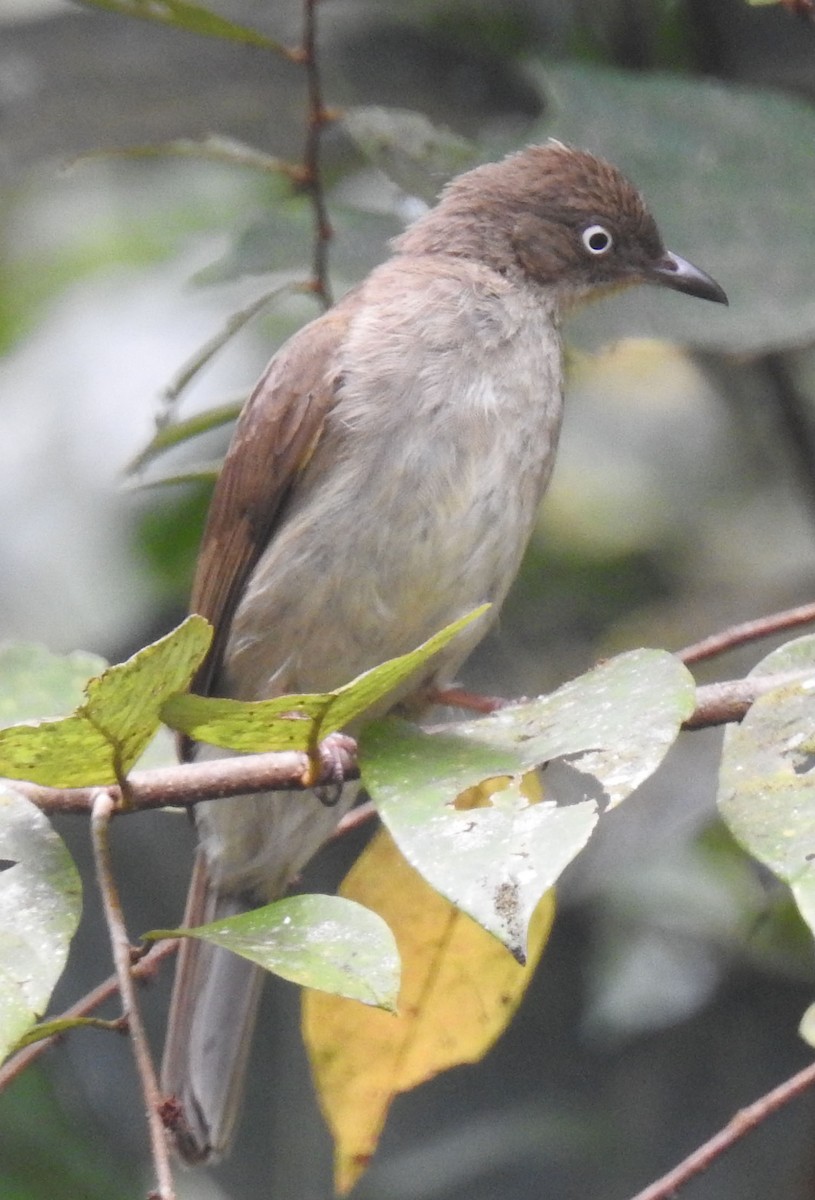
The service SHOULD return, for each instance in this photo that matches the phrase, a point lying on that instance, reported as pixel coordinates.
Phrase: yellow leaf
(460, 988)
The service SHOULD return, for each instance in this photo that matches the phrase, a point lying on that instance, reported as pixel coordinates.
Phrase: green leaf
(280, 242)
(722, 167)
(322, 942)
(192, 17)
(213, 148)
(34, 682)
(233, 326)
(616, 723)
(299, 722)
(40, 905)
(102, 740)
(416, 154)
(48, 1029)
(766, 779)
(204, 472)
(177, 432)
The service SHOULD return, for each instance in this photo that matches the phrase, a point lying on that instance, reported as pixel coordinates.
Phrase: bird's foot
(327, 764)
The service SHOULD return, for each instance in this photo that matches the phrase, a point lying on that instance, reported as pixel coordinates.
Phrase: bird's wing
(276, 435)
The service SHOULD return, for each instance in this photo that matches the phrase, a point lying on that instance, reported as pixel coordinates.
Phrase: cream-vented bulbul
(383, 480)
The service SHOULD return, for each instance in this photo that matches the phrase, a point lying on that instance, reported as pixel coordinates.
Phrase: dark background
(683, 500)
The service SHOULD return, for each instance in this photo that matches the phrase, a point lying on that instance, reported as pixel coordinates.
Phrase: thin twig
(747, 631)
(744, 1121)
(363, 814)
(103, 809)
(317, 117)
(144, 969)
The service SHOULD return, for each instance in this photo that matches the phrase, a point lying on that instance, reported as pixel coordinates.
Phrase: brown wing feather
(274, 439)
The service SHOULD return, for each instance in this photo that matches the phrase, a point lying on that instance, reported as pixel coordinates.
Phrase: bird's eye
(597, 239)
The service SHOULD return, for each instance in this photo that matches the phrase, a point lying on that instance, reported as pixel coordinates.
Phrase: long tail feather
(212, 1017)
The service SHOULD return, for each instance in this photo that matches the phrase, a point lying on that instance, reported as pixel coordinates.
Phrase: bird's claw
(327, 764)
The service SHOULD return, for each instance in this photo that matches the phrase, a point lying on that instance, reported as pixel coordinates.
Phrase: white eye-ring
(597, 239)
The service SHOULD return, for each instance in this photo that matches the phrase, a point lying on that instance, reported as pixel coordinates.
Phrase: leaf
(459, 991)
(806, 1027)
(722, 167)
(48, 1029)
(34, 682)
(320, 942)
(192, 17)
(102, 740)
(280, 242)
(177, 432)
(40, 905)
(766, 780)
(300, 721)
(204, 472)
(212, 148)
(616, 723)
(236, 322)
(416, 154)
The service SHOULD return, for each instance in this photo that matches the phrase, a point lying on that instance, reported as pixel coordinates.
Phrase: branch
(102, 810)
(722, 703)
(142, 971)
(190, 783)
(747, 631)
(317, 117)
(744, 1121)
(290, 770)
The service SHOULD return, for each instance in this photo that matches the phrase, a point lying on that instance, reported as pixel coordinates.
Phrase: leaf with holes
(495, 854)
(107, 733)
(460, 988)
(299, 721)
(766, 778)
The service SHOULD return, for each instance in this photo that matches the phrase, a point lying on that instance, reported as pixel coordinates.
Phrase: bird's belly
(352, 580)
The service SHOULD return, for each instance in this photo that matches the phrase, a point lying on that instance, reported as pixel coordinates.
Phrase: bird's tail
(212, 1016)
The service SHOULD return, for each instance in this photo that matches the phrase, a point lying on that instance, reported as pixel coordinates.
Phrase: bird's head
(563, 217)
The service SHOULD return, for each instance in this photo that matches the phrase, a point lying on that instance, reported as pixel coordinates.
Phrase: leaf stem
(102, 810)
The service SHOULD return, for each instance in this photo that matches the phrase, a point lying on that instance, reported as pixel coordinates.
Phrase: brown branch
(289, 770)
(318, 116)
(164, 787)
(744, 1121)
(747, 631)
(103, 809)
(723, 703)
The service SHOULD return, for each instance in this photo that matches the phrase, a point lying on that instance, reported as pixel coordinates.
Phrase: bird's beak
(677, 273)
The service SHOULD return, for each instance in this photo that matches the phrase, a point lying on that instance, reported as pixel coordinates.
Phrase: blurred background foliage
(683, 500)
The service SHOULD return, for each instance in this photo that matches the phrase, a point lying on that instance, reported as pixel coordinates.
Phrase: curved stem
(103, 809)
(747, 631)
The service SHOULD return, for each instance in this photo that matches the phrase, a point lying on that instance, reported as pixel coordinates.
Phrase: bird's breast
(421, 496)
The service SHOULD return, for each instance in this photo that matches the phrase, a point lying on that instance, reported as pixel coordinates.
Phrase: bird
(383, 480)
